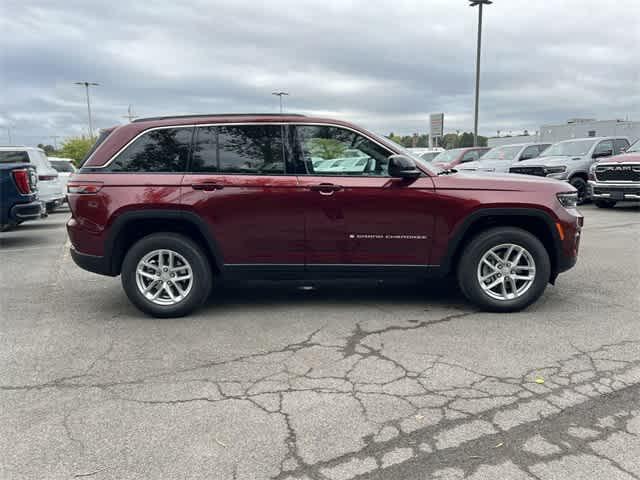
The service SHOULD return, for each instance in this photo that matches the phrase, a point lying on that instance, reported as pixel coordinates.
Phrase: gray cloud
(385, 65)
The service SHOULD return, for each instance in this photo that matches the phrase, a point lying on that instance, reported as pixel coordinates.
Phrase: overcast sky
(383, 64)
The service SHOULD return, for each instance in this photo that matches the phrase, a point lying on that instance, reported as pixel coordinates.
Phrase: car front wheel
(504, 269)
(166, 275)
(580, 185)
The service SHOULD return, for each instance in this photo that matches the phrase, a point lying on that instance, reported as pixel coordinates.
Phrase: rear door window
(164, 150)
(239, 149)
(14, 157)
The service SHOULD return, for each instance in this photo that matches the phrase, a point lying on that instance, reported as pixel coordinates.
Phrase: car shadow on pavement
(22, 242)
(252, 293)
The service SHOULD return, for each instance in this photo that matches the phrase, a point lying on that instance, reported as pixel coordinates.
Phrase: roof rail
(199, 115)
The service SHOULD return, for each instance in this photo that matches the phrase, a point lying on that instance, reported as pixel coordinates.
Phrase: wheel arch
(536, 222)
(131, 226)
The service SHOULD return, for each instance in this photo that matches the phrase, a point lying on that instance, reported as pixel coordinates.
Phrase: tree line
(448, 141)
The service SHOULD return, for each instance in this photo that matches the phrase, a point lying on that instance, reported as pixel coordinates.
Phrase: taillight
(47, 177)
(21, 177)
(84, 187)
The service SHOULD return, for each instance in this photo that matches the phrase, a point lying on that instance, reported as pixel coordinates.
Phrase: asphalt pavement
(348, 380)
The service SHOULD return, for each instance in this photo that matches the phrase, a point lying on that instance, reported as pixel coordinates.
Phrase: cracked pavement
(350, 380)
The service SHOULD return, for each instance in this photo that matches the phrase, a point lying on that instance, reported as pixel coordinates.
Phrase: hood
(547, 161)
(501, 182)
(633, 157)
(485, 165)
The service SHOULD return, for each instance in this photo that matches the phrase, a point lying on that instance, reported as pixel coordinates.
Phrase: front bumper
(615, 191)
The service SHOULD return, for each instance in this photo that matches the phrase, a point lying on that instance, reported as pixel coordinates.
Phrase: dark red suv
(172, 203)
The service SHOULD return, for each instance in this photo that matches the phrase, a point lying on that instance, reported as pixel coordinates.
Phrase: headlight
(549, 170)
(568, 199)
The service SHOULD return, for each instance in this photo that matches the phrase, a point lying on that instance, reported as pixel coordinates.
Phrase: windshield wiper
(448, 171)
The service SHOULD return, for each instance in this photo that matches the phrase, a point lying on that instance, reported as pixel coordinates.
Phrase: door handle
(209, 187)
(326, 188)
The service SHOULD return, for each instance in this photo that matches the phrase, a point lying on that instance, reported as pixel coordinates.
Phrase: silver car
(570, 160)
(500, 159)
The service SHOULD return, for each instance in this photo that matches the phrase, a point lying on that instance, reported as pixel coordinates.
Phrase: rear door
(239, 184)
(356, 215)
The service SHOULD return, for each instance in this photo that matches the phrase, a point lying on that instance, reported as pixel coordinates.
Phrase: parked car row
(32, 185)
(577, 161)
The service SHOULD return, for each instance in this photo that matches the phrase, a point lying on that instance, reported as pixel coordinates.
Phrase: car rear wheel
(166, 275)
(605, 203)
(504, 269)
(580, 185)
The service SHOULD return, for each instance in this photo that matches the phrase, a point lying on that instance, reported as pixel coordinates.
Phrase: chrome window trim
(218, 124)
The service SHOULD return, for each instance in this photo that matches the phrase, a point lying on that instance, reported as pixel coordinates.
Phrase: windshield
(406, 152)
(572, 148)
(429, 156)
(448, 156)
(635, 147)
(502, 153)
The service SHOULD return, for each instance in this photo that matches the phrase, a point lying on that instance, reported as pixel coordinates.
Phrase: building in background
(574, 128)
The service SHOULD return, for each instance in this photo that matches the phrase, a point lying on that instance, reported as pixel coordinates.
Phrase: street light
(280, 94)
(478, 3)
(86, 86)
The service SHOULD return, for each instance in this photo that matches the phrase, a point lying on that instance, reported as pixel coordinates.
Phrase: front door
(355, 213)
(237, 182)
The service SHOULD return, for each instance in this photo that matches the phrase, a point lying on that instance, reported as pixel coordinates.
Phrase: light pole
(280, 94)
(479, 4)
(130, 114)
(86, 86)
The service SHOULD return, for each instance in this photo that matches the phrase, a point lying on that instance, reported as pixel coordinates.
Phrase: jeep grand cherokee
(172, 203)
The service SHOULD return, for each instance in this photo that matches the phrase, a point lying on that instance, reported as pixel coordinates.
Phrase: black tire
(201, 270)
(51, 207)
(605, 203)
(580, 184)
(483, 242)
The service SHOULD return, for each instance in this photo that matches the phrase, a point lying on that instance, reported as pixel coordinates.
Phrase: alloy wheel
(164, 277)
(506, 271)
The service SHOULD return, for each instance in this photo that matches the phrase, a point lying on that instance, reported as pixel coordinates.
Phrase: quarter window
(163, 150)
(244, 149)
(327, 150)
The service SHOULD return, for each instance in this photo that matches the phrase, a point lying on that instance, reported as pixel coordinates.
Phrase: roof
(19, 147)
(612, 137)
(217, 115)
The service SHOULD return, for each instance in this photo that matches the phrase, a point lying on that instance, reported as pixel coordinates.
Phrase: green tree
(327, 148)
(75, 148)
(48, 149)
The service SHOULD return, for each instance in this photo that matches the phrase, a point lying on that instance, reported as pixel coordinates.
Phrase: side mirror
(402, 166)
(602, 153)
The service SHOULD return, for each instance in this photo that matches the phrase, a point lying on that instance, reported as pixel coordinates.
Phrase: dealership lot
(384, 381)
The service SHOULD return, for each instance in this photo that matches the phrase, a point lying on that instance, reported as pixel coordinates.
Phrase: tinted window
(249, 149)
(14, 157)
(471, 156)
(530, 152)
(164, 150)
(63, 167)
(604, 146)
(620, 144)
(338, 151)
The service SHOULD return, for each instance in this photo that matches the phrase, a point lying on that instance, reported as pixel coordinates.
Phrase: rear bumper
(615, 191)
(25, 211)
(91, 263)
